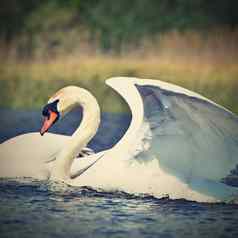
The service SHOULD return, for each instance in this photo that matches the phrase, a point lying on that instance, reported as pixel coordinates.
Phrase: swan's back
(26, 154)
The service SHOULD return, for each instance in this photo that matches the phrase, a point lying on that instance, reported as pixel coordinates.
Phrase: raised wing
(192, 138)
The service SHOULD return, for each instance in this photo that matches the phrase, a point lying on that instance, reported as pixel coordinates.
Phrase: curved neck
(80, 138)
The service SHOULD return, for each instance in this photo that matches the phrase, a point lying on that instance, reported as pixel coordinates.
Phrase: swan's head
(66, 99)
(57, 106)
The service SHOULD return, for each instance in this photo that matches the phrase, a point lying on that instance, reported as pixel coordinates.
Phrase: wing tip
(116, 82)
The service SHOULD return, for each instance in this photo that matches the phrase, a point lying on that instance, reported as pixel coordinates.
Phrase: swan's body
(178, 144)
(33, 155)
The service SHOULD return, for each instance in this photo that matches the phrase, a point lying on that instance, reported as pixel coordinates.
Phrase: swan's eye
(46, 112)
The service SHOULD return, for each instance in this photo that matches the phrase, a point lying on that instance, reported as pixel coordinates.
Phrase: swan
(31, 155)
(179, 143)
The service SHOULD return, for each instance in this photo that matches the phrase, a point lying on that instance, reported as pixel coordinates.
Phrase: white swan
(31, 155)
(178, 143)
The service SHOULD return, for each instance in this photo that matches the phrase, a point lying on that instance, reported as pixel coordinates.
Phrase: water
(33, 208)
(30, 208)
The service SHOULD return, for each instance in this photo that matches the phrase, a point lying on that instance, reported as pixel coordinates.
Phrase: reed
(206, 63)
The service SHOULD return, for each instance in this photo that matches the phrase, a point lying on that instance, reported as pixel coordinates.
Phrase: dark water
(45, 209)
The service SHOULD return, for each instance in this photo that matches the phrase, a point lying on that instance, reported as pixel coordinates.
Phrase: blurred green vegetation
(47, 44)
(25, 93)
(30, 84)
(112, 24)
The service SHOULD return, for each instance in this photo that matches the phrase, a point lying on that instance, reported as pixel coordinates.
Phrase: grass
(204, 63)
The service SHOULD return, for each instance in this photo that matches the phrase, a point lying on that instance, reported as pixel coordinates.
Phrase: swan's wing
(80, 166)
(85, 152)
(189, 135)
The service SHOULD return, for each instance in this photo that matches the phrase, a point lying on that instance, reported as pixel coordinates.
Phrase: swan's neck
(87, 129)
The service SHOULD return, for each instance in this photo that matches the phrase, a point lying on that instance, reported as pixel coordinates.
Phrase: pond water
(31, 208)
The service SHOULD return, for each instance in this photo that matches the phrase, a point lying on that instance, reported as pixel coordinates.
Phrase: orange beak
(48, 122)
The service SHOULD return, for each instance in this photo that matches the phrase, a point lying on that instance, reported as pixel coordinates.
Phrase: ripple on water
(32, 208)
